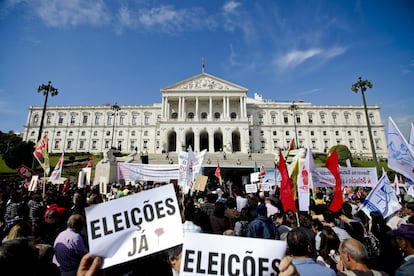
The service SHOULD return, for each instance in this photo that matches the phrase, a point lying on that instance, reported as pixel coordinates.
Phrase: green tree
(343, 154)
(15, 151)
(20, 154)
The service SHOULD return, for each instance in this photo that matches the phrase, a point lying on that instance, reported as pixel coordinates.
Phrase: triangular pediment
(204, 82)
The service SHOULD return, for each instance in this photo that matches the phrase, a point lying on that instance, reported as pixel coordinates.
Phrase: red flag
(217, 173)
(333, 167)
(286, 186)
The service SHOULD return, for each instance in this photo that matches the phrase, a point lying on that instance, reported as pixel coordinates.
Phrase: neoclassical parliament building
(206, 112)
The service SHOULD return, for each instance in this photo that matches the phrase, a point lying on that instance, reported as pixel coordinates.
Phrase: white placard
(265, 187)
(134, 226)
(254, 177)
(250, 188)
(234, 256)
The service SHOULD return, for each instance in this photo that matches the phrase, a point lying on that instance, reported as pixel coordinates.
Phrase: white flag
(382, 198)
(57, 172)
(400, 154)
(304, 181)
(396, 185)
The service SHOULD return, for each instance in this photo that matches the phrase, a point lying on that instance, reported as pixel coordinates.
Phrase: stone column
(211, 108)
(196, 108)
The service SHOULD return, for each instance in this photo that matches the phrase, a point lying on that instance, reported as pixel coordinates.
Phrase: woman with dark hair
(218, 221)
(289, 221)
(328, 251)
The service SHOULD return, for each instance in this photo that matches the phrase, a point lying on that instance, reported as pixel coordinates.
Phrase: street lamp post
(46, 89)
(363, 85)
(115, 109)
(293, 107)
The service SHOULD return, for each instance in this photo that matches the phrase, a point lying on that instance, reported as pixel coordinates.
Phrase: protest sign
(200, 183)
(134, 226)
(250, 188)
(234, 256)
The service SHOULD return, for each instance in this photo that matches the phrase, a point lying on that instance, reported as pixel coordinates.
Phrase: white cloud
(230, 7)
(295, 58)
(57, 13)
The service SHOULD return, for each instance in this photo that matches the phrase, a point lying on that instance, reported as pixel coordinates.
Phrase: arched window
(203, 115)
(191, 115)
(217, 115)
(233, 115)
(174, 115)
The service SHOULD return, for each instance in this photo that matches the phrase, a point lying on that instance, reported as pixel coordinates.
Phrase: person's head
(299, 243)
(174, 257)
(219, 209)
(75, 222)
(346, 210)
(352, 252)
(329, 241)
(289, 219)
(409, 208)
(20, 230)
(404, 236)
(261, 210)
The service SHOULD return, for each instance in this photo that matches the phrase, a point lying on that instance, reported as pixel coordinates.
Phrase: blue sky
(104, 51)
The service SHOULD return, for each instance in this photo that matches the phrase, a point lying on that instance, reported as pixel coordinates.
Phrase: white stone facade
(207, 112)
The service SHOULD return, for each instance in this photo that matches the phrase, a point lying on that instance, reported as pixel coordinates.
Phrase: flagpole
(44, 184)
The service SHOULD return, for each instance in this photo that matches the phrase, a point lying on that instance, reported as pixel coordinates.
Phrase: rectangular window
(310, 119)
(134, 120)
(96, 120)
(85, 119)
(72, 120)
(48, 119)
(274, 132)
(146, 119)
(81, 144)
(60, 121)
(94, 144)
(273, 119)
(285, 119)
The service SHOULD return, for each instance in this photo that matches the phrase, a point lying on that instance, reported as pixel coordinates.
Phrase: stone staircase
(211, 159)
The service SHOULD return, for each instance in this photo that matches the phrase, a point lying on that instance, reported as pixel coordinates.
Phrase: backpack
(372, 245)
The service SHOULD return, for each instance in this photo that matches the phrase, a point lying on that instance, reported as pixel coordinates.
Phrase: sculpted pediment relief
(205, 82)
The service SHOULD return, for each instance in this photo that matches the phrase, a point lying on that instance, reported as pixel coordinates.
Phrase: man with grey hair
(70, 246)
(354, 259)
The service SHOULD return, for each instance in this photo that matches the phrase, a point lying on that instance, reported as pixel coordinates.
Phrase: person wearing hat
(261, 227)
(404, 236)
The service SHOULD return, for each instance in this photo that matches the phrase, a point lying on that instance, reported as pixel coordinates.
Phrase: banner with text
(234, 256)
(134, 226)
(353, 176)
(147, 172)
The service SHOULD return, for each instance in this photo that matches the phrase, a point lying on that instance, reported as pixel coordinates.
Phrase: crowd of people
(44, 232)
